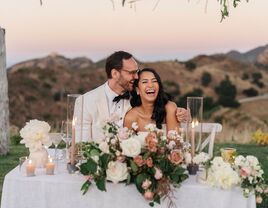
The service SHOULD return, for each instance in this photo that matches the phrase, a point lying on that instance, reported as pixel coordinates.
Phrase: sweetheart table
(63, 190)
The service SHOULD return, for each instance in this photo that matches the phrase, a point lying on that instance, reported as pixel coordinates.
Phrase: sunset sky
(175, 29)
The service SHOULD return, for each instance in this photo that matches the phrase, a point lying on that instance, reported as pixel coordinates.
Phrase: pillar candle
(193, 139)
(73, 143)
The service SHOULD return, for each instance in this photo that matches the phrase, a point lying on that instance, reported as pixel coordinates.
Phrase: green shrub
(245, 76)
(227, 93)
(190, 65)
(250, 92)
(206, 79)
(15, 139)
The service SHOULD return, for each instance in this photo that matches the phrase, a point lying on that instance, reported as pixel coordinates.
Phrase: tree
(227, 93)
(4, 112)
(206, 79)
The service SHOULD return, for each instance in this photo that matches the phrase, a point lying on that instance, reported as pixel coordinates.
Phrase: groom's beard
(126, 85)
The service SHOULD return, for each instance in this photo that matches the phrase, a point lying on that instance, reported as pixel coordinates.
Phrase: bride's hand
(183, 115)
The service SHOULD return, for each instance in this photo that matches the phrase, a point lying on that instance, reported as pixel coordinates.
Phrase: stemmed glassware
(56, 139)
(66, 128)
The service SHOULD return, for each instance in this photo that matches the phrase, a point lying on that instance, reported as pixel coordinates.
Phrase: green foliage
(190, 65)
(245, 76)
(225, 8)
(30, 83)
(172, 88)
(250, 92)
(206, 79)
(227, 93)
(182, 102)
(100, 183)
(47, 85)
(90, 167)
(256, 76)
(15, 139)
(85, 186)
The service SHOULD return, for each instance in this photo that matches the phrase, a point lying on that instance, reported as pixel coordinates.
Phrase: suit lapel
(102, 104)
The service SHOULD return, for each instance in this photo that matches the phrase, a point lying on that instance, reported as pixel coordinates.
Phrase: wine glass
(66, 128)
(56, 139)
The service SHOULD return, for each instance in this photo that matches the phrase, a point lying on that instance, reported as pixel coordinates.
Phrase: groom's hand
(183, 115)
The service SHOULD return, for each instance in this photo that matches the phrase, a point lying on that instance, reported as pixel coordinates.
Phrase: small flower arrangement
(244, 171)
(221, 174)
(152, 162)
(35, 135)
(251, 175)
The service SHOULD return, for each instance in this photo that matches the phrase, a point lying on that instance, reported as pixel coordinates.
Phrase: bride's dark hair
(159, 111)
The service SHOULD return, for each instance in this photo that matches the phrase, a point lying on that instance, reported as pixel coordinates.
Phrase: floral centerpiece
(244, 171)
(151, 162)
(35, 136)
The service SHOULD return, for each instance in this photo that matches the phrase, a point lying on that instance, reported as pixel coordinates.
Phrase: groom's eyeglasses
(133, 72)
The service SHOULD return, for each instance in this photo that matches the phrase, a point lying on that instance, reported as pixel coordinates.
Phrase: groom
(111, 98)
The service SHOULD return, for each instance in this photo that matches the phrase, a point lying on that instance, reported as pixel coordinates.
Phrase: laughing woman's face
(148, 86)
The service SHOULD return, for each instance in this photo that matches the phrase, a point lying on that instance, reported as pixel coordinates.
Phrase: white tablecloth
(62, 190)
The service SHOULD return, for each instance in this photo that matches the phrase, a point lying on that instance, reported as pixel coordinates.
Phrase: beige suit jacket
(91, 111)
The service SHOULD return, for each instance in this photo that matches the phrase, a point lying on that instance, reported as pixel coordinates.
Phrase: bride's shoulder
(131, 114)
(171, 106)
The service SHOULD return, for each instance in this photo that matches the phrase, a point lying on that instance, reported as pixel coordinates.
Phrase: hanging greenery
(224, 5)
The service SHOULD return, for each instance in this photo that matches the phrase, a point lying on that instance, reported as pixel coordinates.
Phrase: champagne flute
(56, 139)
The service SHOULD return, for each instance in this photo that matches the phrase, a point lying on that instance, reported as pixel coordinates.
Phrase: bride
(150, 104)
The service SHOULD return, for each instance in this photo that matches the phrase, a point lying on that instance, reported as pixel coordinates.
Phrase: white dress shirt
(115, 108)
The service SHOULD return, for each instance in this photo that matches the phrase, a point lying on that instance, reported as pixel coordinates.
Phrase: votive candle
(30, 168)
(50, 166)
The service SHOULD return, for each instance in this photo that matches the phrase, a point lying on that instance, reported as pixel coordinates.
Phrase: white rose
(131, 147)
(150, 127)
(117, 171)
(134, 126)
(188, 157)
(104, 147)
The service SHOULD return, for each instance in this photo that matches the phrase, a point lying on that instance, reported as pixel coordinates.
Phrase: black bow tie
(123, 96)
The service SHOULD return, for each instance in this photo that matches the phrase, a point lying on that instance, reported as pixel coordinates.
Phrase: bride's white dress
(142, 135)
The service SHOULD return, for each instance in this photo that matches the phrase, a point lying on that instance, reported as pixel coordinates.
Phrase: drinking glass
(22, 160)
(66, 128)
(56, 139)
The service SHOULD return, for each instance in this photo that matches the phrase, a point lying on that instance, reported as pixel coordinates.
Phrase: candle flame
(74, 121)
(50, 160)
(30, 161)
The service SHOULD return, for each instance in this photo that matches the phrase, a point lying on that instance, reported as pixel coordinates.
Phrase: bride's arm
(171, 119)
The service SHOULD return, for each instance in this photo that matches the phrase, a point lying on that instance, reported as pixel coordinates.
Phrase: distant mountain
(251, 56)
(38, 87)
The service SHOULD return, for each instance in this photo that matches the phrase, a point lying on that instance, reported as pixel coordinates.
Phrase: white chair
(211, 129)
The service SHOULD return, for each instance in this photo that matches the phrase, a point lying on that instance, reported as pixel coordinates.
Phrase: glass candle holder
(194, 125)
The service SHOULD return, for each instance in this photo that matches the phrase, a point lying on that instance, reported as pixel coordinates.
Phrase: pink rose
(175, 157)
(258, 199)
(158, 174)
(146, 184)
(121, 158)
(148, 195)
(245, 172)
(138, 160)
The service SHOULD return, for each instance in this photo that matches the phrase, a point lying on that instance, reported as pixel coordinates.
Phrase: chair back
(212, 129)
